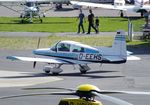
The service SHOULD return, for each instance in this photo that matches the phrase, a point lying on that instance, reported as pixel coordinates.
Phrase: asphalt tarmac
(133, 75)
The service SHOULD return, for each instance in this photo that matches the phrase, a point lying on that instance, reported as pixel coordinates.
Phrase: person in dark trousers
(91, 22)
(97, 24)
(81, 19)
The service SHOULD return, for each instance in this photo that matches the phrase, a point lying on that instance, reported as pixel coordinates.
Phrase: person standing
(81, 19)
(91, 22)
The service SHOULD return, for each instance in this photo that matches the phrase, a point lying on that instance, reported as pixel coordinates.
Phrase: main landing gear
(53, 68)
(83, 68)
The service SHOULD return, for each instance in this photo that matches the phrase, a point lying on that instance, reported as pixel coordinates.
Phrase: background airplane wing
(32, 59)
(106, 6)
(146, 7)
(23, 1)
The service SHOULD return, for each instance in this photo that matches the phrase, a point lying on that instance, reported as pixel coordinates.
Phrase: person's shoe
(83, 32)
(87, 33)
(97, 32)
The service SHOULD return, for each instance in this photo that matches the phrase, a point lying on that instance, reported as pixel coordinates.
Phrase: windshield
(30, 4)
(63, 47)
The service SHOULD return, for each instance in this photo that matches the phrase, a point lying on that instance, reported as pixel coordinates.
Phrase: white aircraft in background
(75, 53)
(31, 8)
(140, 6)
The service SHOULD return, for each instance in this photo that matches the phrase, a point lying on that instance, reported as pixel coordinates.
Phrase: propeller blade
(38, 94)
(112, 99)
(123, 92)
(34, 64)
(42, 88)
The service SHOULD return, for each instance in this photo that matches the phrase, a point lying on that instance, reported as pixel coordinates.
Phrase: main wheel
(47, 72)
(121, 14)
(83, 72)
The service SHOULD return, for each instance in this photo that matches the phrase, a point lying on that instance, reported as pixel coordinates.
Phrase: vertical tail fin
(119, 45)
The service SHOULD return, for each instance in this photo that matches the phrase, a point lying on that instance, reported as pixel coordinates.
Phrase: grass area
(60, 24)
(31, 42)
(140, 43)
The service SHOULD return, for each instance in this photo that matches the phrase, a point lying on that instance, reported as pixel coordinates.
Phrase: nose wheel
(121, 14)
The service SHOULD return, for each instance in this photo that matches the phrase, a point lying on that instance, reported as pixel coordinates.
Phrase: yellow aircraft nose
(87, 87)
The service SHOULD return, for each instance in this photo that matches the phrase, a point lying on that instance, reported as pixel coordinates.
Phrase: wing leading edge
(106, 6)
(32, 59)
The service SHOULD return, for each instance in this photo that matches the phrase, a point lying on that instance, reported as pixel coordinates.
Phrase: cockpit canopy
(71, 46)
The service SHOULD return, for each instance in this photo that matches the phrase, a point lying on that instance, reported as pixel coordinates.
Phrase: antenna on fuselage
(38, 45)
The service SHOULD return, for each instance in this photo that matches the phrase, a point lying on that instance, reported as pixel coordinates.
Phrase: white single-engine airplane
(140, 6)
(71, 52)
(31, 8)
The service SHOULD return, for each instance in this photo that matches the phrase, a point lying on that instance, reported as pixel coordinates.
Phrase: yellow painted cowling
(77, 101)
(88, 87)
(85, 90)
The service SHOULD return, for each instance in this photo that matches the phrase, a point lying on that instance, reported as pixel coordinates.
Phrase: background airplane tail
(119, 3)
(119, 45)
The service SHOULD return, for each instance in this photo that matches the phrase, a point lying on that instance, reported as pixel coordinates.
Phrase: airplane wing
(32, 59)
(105, 6)
(146, 7)
(23, 1)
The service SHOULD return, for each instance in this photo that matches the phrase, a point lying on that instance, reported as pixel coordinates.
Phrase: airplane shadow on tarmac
(64, 9)
(27, 75)
(89, 74)
(77, 74)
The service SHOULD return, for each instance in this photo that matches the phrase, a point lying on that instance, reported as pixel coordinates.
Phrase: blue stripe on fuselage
(57, 54)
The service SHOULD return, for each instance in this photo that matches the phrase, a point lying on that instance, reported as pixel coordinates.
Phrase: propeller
(112, 99)
(85, 91)
(38, 45)
(45, 88)
(38, 94)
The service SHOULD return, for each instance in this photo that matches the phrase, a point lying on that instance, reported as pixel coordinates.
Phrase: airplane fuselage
(75, 56)
(92, 57)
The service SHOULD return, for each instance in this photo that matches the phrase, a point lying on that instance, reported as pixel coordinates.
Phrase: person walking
(81, 19)
(91, 22)
(97, 24)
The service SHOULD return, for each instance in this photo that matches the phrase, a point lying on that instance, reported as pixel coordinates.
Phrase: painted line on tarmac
(18, 79)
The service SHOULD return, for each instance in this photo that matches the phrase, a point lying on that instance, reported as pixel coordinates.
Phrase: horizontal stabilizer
(131, 57)
(114, 58)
